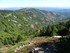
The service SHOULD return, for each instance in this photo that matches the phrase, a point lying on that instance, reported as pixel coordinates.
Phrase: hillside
(20, 26)
(24, 23)
(25, 19)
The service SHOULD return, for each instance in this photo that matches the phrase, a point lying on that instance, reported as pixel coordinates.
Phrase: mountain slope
(47, 16)
(24, 20)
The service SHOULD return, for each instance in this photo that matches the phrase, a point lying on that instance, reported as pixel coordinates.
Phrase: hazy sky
(34, 3)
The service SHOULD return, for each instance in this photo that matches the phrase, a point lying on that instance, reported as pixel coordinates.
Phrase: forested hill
(12, 22)
(17, 27)
(27, 18)
(25, 22)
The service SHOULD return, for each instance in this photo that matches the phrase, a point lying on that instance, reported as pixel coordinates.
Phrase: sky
(35, 3)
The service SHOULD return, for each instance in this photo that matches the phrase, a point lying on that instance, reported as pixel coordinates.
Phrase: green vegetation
(62, 29)
(16, 27)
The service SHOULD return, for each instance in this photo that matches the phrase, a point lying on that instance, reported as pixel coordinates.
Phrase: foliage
(62, 29)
